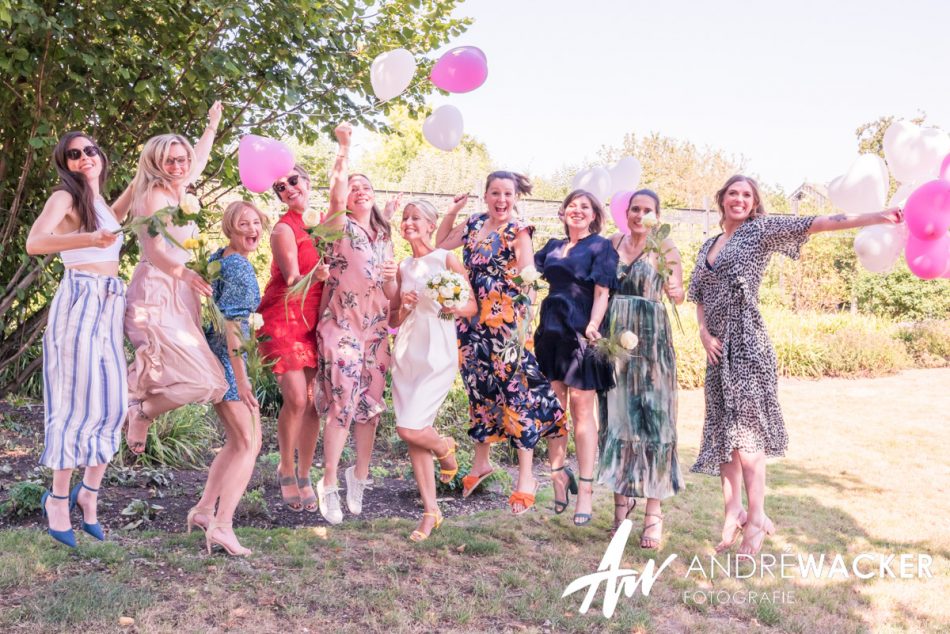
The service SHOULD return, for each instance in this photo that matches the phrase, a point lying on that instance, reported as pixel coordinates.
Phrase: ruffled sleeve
(695, 291)
(541, 256)
(236, 292)
(603, 270)
(513, 228)
(784, 234)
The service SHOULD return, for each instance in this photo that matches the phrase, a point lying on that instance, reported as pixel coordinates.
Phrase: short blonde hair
(233, 213)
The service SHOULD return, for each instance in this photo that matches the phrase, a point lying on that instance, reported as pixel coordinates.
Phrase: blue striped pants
(85, 389)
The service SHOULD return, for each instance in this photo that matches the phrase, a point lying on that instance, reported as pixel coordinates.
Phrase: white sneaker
(329, 501)
(354, 490)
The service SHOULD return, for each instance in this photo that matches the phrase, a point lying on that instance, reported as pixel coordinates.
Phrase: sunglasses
(89, 150)
(291, 182)
(172, 161)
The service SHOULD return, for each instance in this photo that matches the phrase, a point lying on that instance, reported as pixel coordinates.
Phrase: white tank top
(89, 255)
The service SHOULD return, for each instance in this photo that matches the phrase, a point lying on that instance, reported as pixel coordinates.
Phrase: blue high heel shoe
(63, 537)
(93, 529)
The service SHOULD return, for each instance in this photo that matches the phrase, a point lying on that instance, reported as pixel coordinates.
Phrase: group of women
(331, 351)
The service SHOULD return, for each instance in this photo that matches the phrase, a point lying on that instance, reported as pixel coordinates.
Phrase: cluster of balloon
(261, 161)
(621, 179)
(460, 70)
(913, 155)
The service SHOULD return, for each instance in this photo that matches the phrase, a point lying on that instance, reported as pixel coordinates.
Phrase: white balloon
(900, 196)
(596, 180)
(878, 247)
(443, 128)
(863, 188)
(391, 73)
(914, 154)
(933, 145)
(625, 174)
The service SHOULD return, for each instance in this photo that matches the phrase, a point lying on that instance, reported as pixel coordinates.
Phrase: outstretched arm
(449, 235)
(838, 222)
(203, 146)
(52, 232)
(338, 178)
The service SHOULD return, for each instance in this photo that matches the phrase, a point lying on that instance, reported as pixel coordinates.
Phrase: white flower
(256, 321)
(190, 204)
(311, 218)
(432, 293)
(449, 303)
(529, 275)
(628, 340)
(447, 291)
(649, 220)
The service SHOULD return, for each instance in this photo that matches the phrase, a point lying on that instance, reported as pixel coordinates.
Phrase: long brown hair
(377, 222)
(76, 185)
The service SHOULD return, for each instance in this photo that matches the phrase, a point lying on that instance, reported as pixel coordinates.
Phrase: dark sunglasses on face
(89, 150)
(292, 182)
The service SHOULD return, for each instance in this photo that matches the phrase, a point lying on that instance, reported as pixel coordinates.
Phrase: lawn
(866, 473)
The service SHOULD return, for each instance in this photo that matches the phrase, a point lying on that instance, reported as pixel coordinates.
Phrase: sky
(783, 84)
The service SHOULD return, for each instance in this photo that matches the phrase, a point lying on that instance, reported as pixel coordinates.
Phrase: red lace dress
(290, 325)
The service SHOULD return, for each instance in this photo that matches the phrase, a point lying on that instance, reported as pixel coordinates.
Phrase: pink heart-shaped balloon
(927, 210)
(928, 259)
(461, 69)
(619, 203)
(261, 161)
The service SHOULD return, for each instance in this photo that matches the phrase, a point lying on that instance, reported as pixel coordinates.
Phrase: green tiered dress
(637, 435)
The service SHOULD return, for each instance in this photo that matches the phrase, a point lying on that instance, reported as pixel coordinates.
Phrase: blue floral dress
(237, 294)
(507, 400)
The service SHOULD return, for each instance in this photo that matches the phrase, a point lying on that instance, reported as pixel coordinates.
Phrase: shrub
(24, 498)
(928, 343)
(254, 504)
(179, 439)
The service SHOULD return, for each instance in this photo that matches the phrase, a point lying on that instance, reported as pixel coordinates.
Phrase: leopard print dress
(742, 408)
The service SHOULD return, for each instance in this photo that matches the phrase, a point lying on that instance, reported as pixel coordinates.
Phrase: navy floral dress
(506, 400)
(237, 294)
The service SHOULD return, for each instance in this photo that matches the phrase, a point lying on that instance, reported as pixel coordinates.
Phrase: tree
(124, 71)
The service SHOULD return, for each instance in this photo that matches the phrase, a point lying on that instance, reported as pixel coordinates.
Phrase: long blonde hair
(151, 172)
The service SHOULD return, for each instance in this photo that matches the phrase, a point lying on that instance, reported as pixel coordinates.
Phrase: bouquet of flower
(616, 345)
(187, 210)
(322, 237)
(209, 271)
(448, 289)
(659, 233)
(529, 279)
(256, 364)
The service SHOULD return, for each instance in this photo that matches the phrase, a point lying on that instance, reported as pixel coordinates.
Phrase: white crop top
(88, 255)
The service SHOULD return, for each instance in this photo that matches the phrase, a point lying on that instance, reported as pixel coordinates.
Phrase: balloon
(443, 128)
(596, 180)
(261, 161)
(927, 210)
(879, 246)
(912, 153)
(619, 203)
(626, 173)
(391, 73)
(899, 199)
(863, 188)
(461, 69)
(928, 259)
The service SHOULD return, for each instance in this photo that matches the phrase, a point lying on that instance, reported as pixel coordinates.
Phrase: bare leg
(557, 448)
(307, 440)
(526, 481)
(293, 390)
(652, 525)
(58, 510)
(86, 499)
(730, 474)
(585, 438)
(334, 439)
(365, 436)
(753, 475)
(480, 461)
(421, 458)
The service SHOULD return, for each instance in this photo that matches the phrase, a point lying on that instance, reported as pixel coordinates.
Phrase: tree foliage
(125, 71)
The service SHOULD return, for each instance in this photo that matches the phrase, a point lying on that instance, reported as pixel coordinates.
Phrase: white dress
(425, 353)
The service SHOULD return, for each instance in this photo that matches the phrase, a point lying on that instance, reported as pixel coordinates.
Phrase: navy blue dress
(237, 294)
(559, 343)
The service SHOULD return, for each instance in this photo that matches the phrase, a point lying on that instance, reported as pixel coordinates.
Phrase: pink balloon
(618, 209)
(462, 69)
(261, 161)
(928, 259)
(927, 210)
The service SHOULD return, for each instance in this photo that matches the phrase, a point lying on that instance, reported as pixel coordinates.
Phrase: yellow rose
(190, 243)
(190, 204)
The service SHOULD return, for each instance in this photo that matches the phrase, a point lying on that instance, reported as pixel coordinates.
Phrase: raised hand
(392, 205)
(344, 133)
(214, 115)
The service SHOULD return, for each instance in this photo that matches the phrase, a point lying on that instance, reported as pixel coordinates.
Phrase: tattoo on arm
(837, 218)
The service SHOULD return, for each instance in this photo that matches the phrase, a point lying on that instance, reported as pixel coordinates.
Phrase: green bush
(179, 439)
(24, 498)
(253, 504)
(928, 343)
(901, 296)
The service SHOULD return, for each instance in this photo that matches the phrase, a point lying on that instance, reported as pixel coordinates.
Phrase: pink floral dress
(352, 333)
